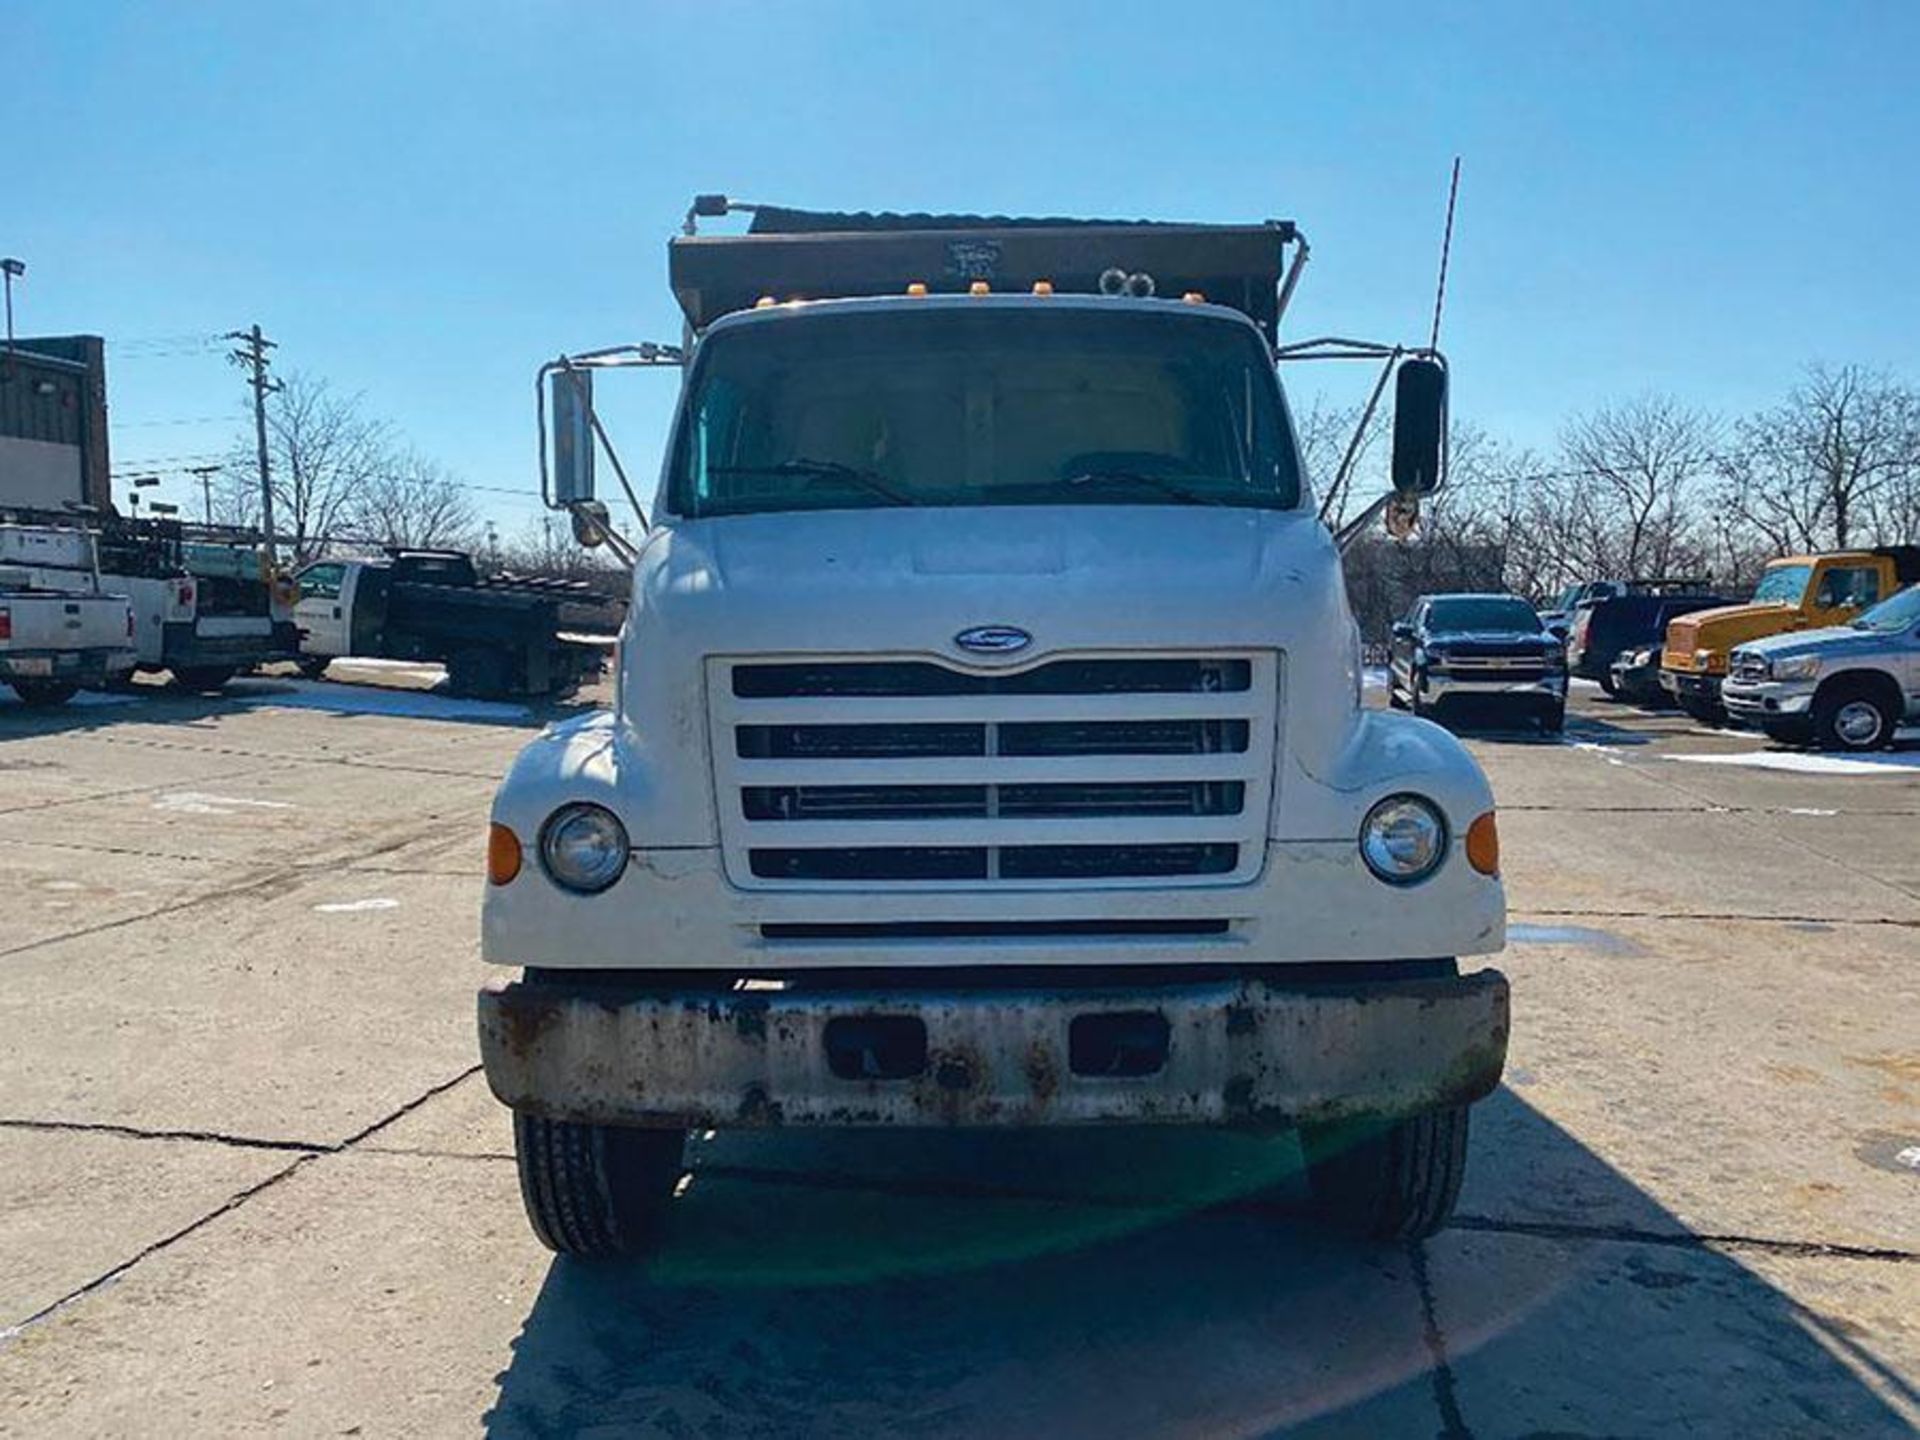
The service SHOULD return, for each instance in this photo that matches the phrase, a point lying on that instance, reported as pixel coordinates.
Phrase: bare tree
(1635, 472)
(412, 501)
(1325, 433)
(324, 453)
(1819, 470)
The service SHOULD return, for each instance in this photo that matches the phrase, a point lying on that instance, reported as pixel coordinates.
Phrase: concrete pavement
(249, 1180)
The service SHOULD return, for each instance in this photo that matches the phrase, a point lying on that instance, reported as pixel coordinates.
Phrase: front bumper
(1437, 686)
(1691, 685)
(1757, 701)
(72, 667)
(1246, 1052)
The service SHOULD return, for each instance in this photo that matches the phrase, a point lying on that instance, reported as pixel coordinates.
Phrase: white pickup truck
(987, 746)
(56, 641)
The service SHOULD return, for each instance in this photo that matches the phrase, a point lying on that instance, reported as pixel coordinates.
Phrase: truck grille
(1082, 771)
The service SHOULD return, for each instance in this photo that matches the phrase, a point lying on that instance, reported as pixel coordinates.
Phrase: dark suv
(1488, 650)
(1603, 628)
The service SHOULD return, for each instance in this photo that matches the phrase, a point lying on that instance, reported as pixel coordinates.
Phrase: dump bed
(815, 255)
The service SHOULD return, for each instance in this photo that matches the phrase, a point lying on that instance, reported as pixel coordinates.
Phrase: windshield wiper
(871, 481)
(1172, 489)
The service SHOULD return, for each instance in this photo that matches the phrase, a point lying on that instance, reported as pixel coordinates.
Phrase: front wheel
(1553, 719)
(1609, 685)
(44, 694)
(1853, 719)
(1389, 1182)
(202, 679)
(596, 1192)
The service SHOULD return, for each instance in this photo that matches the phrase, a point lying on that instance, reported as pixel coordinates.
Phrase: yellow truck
(1796, 592)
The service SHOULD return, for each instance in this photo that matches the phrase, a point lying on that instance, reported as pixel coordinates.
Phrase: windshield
(1895, 613)
(1783, 585)
(1567, 597)
(992, 407)
(1482, 612)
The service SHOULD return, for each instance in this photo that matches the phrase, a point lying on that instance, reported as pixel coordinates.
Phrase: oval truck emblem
(993, 639)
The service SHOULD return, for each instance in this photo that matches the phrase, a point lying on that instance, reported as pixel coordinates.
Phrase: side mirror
(1403, 630)
(570, 414)
(1419, 427)
(591, 523)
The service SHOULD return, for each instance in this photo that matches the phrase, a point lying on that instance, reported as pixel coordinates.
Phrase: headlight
(1795, 667)
(1643, 658)
(1703, 659)
(1403, 839)
(583, 847)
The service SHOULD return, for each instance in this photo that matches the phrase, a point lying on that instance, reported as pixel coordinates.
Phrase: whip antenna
(1446, 250)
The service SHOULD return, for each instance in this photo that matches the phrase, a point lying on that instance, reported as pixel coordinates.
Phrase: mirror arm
(1351, 531)
(1352, 456)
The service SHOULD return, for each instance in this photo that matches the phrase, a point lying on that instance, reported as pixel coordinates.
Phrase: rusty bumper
(1231, 1052)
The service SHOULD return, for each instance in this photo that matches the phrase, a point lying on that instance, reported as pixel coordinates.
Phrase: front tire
(596, 1192)
(1853, 718)
(1391, 1182)
(202, 679)
(44, 694)
(1553, 719)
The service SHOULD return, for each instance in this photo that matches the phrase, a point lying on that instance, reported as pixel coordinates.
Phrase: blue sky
(421, 201)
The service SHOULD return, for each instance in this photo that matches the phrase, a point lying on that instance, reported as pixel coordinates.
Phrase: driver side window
(322, 582)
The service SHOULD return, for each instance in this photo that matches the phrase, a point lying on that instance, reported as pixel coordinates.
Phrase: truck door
(1841, 592)
(321, 613)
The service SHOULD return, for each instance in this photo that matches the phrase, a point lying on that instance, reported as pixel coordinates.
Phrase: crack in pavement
(232, 1203)
(1446, 1390)
(136, 1132)
(1715, 915)
(1689, 1240)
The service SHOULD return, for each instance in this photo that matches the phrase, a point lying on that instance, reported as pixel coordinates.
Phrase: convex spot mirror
(570, 414)
(1419, 426)
(590, 523)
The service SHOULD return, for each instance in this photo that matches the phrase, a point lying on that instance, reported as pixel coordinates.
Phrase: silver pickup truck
(1846, 687)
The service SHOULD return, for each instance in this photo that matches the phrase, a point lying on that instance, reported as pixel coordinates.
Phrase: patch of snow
(1570, 935)
(1808, 763)
(373, 662)
(1909, 1157)
(1580, 682)
(370, 700)
(1608, 753)
(1374, 677)
(356, 907)
(1804, 810)
(195, 802)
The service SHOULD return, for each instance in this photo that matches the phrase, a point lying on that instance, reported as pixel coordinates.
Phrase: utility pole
(206, 474)
(253, 356)
(11, 268)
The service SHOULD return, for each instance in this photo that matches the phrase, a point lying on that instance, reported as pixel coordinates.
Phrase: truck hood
(906, 582)
(1725, 626)
(1830, 639)
(1073, 577)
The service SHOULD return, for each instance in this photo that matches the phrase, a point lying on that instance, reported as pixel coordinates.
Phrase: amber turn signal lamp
(503, 854)
(1483, 845)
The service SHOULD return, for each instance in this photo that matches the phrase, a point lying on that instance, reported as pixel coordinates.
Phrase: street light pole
(206, 474)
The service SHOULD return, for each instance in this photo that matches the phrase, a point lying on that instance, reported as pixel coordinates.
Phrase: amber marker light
(917, 289)
(1483, 845)
(979, 287)
(503, 854)
(1043, 287)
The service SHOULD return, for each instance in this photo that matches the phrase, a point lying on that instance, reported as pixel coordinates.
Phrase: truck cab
(987, 746)
(1796, 592)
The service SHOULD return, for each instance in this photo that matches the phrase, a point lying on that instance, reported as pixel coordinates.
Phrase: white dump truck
(987, 747)
(59, 633)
